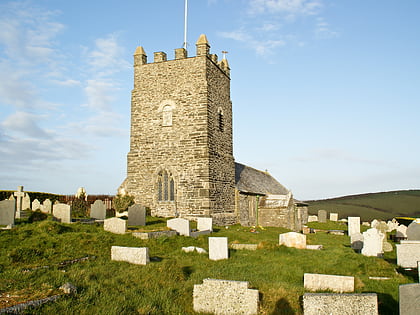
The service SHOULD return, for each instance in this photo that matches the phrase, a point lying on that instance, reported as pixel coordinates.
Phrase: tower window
(220, 120)
(167, 115)
(165, 187)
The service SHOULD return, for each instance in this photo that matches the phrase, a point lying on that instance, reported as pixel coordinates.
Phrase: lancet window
(165, 187)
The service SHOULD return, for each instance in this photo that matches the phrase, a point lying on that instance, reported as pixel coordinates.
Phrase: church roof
(250, 180)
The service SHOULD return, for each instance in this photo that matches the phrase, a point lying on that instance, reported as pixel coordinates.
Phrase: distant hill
(383, 205)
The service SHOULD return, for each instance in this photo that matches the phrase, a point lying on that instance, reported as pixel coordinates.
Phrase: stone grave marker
(413, 231)
(336, 303)
(334, 217)
(372, 243)
(205, 224)
(293, 239)
(218, 248)
(97, 210)
(36, 205)
(19, 194)
(132, 255)
(401, 231)
(62, 212)
(182, 226)
(409, 299)
(46, 206)
(322, 216)
(136, 215)
(225, 297)
(392, 225)
(353, 225)
(317, 282)
(312, 218)
(115, 225)
(356, 240)
(7, 212)
(408, 253)
(374, 223)
(26, 202)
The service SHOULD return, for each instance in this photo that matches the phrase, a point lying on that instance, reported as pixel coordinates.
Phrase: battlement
(202, 49)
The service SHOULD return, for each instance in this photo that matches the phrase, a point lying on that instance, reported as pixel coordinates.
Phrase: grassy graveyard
(37, 258)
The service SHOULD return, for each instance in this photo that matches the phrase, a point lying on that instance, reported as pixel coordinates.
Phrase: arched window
(165, 187)
(167, 115)
(220, 120)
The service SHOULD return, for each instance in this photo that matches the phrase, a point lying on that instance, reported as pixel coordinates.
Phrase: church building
(180, 162)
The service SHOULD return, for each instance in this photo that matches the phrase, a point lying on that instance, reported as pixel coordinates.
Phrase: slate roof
(252, 181)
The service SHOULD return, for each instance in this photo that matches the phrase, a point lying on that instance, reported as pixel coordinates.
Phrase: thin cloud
(24, 124)
(291, 7)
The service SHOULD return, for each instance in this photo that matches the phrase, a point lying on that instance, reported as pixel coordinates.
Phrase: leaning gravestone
(293, 239)
(356, 240)
(205, 224)
(182, 226)
(410, 299)
(217, 296)
(36, 205)
(7, 212)
(413, 231)
(97, 210)
(115, 225)
(353, 225)
(322, 216)
(46, 206)
(62, 212)
(372, 245)
(136, 215)
(218, 248)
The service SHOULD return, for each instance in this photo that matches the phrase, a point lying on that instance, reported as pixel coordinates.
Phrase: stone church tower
(181, 153)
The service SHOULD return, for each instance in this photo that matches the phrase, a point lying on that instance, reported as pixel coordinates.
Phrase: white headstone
(340, 284)
(372, 245)
(46, 206)
(218, 248)
(408, 254)
(63, 212)
(322, 216)
(136, 215)
(401, 231)
(312, 218)
(182, 226)
(293, 239)
(19, 194)
(132, 255)
(205, 224)
(353, 225)
(334, 217)
(115, 225)
(26, 202)
(97, 210)
(374, 223)
(36, 205)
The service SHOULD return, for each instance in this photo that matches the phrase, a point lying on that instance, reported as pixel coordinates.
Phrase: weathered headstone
(372, 244)
(374, 223)
(225, 297)
(413, 231)
(336, 303)
(353, 225)
(356, 240)
(409, 299)
(7, 212)
(322, 216)
(19, 194)
(205, 224)
(401, 231)
(182, 226)
(382, 227)
(132, 255)
(392, 225)
(334, 217)
(46, 206)
(26, 202)
(339, 284)
(293, 239)
(62, 212)
(218, 248)
(115, 225)
(97, 210)
(136, 215)
(408, 254)
(312, 218)
(36, 205)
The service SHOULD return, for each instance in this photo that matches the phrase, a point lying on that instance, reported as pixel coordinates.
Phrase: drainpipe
(256, 209)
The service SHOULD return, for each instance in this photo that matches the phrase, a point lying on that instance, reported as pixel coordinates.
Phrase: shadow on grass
(155, 221)
(387, 305)
(187, 271)
(156, 259)
(282, 308)
(411, 273)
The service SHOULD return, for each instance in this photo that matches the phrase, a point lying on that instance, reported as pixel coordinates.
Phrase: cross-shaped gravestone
(19, 194)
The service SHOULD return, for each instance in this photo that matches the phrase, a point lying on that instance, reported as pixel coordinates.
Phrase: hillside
(384, 205)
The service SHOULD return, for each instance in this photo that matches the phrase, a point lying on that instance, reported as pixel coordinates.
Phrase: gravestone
(356, 240)
(322, 216)
(115, 225)
(337, 304)
(7, 212)
(19, 194)
(372, 243)
(132, 255)
(205, 224)
(182, 226)
(225, 297)
(413, 231)
(293, 239)
(408, 254)
(401, 231)
(46, 206)
(334, 217)
(409, 299)
(62, 212)
(36, 205)
(353, 225)
(218, 248)
(374, 223)
(136, 215)
(26, 202)
(97, 210)
(392, 225)
(317, 282)
(312, 218)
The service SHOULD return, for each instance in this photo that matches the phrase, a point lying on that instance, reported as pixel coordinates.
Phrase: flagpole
(185, 24)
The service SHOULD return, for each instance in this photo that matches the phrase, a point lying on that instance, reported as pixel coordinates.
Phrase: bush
(80, 207)
(37, 216)
(122, 202)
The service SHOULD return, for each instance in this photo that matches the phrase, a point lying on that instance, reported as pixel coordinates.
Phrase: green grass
(385, 205)
(165, 285)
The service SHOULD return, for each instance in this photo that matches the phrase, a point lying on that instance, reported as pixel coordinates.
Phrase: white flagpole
(185, 24)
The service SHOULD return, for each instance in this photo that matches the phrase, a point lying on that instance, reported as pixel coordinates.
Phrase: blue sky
(325, 93)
